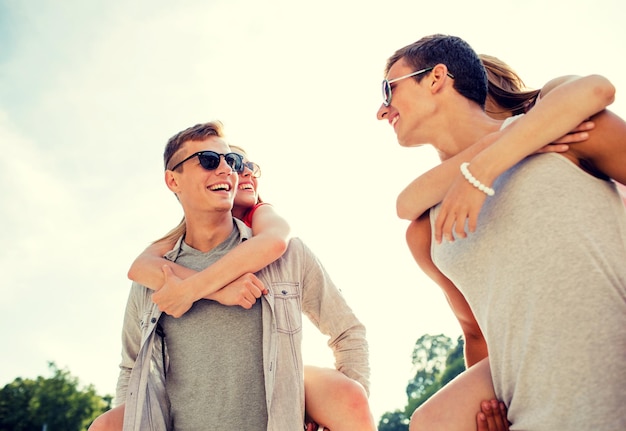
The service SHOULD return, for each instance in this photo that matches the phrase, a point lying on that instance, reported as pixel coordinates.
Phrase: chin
(245, 204)
(410, 141)
(404, 142)
(223, 209)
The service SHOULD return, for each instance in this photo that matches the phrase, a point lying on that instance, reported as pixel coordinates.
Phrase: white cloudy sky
(90, 91)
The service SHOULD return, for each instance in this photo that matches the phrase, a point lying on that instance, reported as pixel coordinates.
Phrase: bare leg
(453, 408)
(112, 420)
(335, 401)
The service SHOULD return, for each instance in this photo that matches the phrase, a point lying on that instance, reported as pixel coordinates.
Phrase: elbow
(132, 273)
(403, 210)
(278, 248)
(603, 90)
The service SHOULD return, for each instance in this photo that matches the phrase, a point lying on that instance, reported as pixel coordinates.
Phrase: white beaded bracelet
(473, 181)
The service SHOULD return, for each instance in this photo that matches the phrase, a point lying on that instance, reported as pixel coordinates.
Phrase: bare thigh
(336, 401)
(112, 420)
(454, 407)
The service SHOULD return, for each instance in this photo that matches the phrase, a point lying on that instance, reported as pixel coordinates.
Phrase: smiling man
(223, 367)
(541, 268)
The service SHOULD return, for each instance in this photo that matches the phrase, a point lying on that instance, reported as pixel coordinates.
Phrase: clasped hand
(176, 298)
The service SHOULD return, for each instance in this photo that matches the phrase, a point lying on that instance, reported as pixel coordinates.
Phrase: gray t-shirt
(545, 275)
(215, 380)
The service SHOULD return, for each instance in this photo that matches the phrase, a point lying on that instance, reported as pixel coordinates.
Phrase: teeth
(394, 121)
(246, 187)
(219, 187)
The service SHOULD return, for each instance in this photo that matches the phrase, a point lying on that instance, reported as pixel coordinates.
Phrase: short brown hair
(199, 132)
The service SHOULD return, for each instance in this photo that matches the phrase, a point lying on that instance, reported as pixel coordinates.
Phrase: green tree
(394, 421)
(14, 405)
(56, 402)
(436, 360)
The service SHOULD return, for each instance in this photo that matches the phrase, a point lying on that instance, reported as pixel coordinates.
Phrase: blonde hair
(174, 234)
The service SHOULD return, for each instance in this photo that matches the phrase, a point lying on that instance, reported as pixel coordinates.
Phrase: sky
(91, 91)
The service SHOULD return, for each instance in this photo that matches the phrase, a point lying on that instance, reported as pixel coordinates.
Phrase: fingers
(459, 226)
(443, 225)
(553, 148)
(572, 138)
(254, 285)
(578, 134)
(448, 223)
(481, 422)
(459, 212)
(167, 271)
(492, 417)
(487, 409)
(484, 419)
(472, 222)
(250, 289)
(585, 125)
(503, 416)
(438, 225)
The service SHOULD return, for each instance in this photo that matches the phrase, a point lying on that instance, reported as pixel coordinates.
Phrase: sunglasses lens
(209, 160)
(256, 169)
(234, 161)
(386, 93)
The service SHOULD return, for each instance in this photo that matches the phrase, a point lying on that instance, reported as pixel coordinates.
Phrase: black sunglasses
(210, 160)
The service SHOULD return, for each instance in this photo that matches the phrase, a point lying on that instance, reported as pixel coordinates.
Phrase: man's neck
(207, 232)
(463, 130)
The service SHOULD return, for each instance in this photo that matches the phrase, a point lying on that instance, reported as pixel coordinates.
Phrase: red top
(247, 217)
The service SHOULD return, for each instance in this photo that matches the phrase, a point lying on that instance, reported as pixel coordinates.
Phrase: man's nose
(224, 167)
(382, 112)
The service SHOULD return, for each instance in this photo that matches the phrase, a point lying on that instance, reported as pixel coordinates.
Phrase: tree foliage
(394, 421)
(436, 360)
(55, 403)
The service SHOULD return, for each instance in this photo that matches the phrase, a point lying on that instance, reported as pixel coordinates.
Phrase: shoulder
(553, 83)
(244, 230)
(297, 255)
(140, 297)
(296, 247)
(247, 217)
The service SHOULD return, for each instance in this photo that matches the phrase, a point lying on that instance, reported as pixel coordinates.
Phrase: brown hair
(460, 59)
(199, 132)
(505, 88)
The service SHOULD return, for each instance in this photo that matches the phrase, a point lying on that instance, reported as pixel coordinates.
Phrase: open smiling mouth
(218, 187)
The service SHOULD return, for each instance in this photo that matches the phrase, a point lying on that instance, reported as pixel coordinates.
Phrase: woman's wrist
(474, 181)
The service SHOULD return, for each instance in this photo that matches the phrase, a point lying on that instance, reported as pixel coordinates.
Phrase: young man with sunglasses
(221, 367)
(546, 256)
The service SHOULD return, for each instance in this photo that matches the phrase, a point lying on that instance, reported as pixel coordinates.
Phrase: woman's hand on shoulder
(462, 202)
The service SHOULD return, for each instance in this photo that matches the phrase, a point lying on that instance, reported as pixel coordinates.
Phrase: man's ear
(439, 77)
(171, 180)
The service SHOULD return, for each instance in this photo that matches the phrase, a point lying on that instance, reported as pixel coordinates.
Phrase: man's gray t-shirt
(545, 275)
(215, 380)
